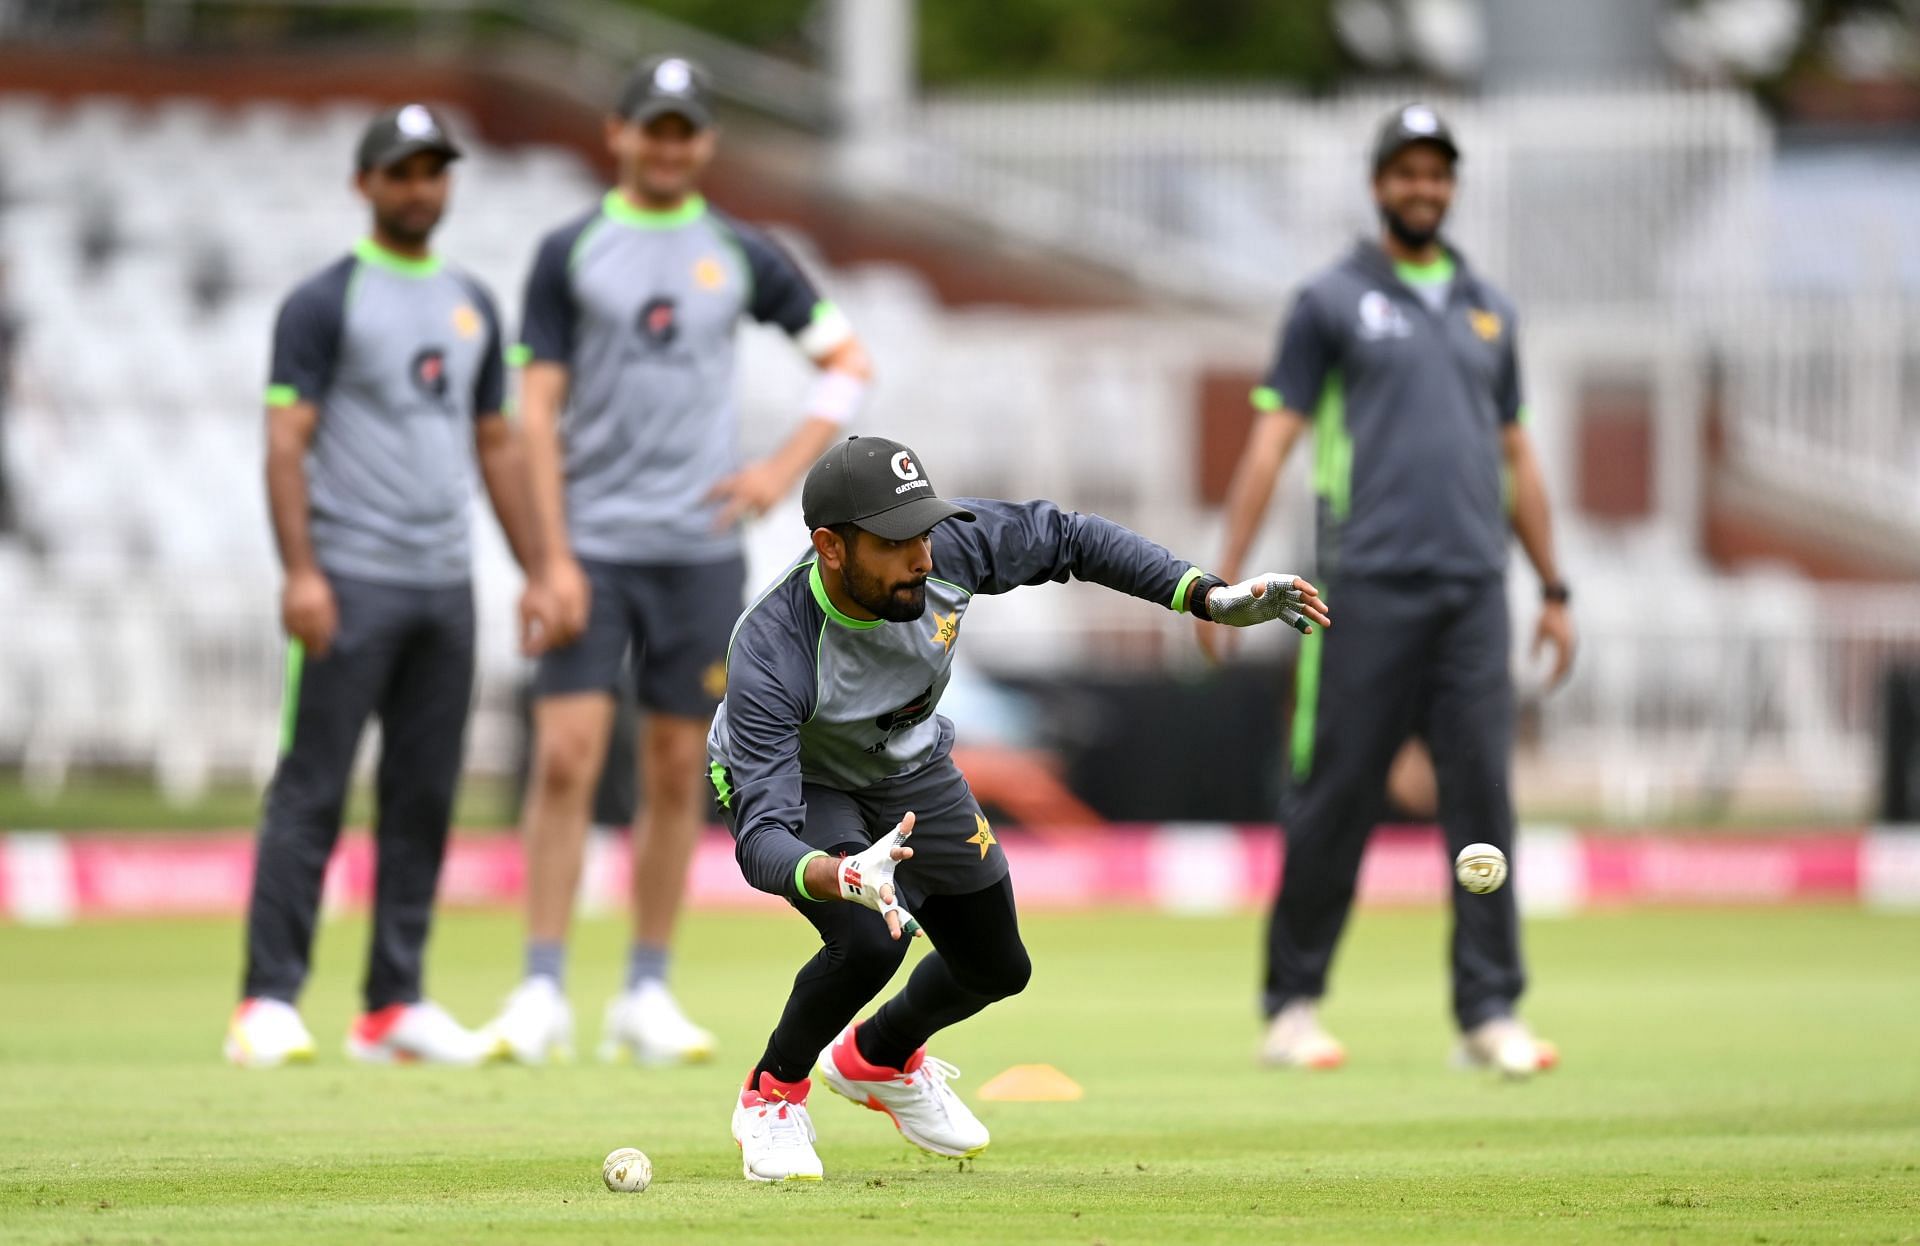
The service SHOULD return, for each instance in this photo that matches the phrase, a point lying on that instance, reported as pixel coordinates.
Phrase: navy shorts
(672, 619)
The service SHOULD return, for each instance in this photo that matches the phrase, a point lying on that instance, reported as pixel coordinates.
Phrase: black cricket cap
(1407, 125)
(877, 485)
(400, 132)
(663, 85)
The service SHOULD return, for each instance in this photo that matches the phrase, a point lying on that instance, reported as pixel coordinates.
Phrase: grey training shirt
(1408, 400)
(814, 696)
(641, 308)
(401, 356)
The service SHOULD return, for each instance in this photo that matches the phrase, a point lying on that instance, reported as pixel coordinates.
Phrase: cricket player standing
(1402, 360)
(387, 364)
(827, 755)
(628, 345)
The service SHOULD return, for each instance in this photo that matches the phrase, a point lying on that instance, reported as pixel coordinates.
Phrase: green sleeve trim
(282, 395)
(371, 252)
(1524, 416)
(722, 786)
(622, 211)
(290, 694)
(1266, 398)
(832, 611)
(1179, 603)
(800, 877)
(519, 355)
(822, 310)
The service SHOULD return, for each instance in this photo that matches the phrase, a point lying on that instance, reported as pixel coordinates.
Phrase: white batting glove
(1264, 598)
(866, 878)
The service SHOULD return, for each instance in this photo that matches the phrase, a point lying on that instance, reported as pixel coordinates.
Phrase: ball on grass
(627, 1171)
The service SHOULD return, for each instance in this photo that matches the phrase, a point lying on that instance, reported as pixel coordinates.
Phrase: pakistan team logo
(429, 370)
(659, 321)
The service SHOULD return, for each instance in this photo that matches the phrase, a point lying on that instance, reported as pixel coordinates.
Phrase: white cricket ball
(627, 1171)
(1481, 868)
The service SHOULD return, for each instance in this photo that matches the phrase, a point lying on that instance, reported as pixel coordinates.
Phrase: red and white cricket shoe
(419, 1033)
(266, 1033)
(1506, 1045)
(917, 1097)
(774, 1132)
(1296, 1039)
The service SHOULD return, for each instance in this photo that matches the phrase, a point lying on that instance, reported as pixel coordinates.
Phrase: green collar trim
(1433, 273)
(618, 209)
(371, 252)
(826, 603)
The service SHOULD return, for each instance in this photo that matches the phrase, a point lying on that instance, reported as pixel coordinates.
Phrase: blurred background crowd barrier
(1703, 210)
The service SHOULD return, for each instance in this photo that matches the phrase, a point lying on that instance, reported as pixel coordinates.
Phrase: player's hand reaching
(308, 612)
(1267, 597)
(867, 878)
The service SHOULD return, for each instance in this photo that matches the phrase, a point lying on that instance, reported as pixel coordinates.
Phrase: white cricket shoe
(267, 1033)
(1296, 1039)
(1506, 1045)
(925, 1111)
(645, 1025)
(419, 1033)
(774, 1132)
(535, 1026)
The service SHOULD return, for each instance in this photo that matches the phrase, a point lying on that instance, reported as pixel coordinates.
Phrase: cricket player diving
(1402, 360)
(835, 775)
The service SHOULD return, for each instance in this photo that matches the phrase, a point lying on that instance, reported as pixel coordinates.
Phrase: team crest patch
(983, 836)
(659, 320)
(946, 628)
(466, 322)
(710, 274)
(1487, 324)
(429, 371)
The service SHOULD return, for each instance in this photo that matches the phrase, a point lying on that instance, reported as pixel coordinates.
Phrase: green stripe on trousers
(1306, 701)
(290, 694)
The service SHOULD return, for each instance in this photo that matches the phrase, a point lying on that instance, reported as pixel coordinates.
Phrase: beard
(900, 602)
(1405, 233)
(409, 227)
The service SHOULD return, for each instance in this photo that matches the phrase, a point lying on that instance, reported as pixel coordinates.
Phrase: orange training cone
(1032, 1083)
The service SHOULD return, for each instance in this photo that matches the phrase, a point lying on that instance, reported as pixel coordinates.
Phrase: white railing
(1235, 196)
(1823, 396)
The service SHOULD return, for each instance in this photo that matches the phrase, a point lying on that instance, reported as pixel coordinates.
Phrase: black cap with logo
(401, 132)
(664, 85)
(1410, 124)
(878, 485)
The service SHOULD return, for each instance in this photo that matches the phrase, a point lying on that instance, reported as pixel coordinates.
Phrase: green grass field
(1729, 1077)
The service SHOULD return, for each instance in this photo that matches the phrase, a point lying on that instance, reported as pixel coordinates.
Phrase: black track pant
(977, 959)
(405, 654)
(1404, 656)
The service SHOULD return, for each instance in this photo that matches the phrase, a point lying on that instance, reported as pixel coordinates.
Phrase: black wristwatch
(1197, 595)
(1556, 592)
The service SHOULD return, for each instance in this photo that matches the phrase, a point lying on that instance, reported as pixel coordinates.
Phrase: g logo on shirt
(659, 321)
(429, 371)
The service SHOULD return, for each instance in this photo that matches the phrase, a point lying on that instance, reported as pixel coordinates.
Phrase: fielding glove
(1279, 597)
(866, 878)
